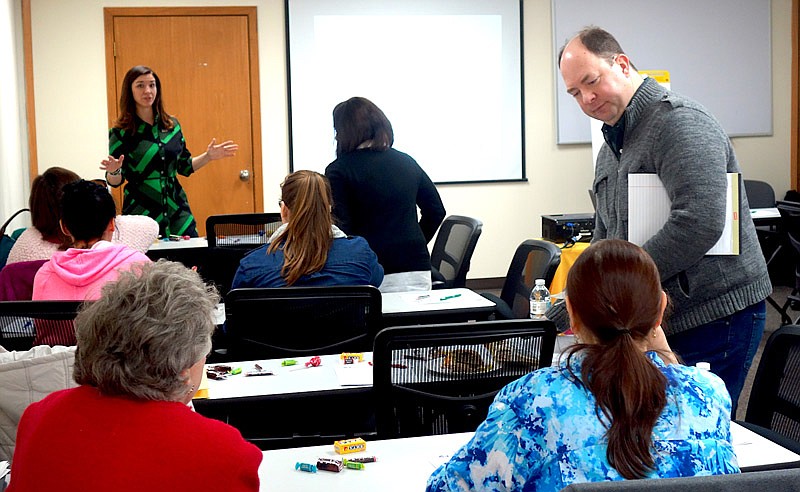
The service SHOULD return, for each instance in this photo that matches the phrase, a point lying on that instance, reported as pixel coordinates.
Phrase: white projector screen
(447, 73)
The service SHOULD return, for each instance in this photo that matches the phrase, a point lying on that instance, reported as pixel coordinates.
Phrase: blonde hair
(307, 238)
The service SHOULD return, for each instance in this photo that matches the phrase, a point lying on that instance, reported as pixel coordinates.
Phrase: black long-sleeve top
(376, 195)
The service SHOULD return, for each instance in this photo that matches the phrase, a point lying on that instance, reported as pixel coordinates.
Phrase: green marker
(289, 362)
(236, 371)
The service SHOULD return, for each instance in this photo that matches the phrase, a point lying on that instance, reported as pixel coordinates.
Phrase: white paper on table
(359, 374)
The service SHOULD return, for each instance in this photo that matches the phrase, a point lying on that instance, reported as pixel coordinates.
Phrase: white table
(756, 450)
(192, 242)
(192, 252)
(202, 242)
(331, 375)
(444, 303)
(331, 399)
(765, 213)
(433, 300)
(405, 464)
(435, 306)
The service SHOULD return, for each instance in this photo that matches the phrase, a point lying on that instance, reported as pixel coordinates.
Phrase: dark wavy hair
(127, 105)
(45, 203)
(617, 297)
(86, 210)
(359, 120)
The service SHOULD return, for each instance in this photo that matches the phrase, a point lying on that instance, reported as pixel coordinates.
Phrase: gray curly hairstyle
(144, 331)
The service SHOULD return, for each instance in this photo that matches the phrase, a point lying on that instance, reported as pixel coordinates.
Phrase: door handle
(244, 175)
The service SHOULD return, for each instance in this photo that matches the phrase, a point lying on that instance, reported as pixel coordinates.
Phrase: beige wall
(71, 117)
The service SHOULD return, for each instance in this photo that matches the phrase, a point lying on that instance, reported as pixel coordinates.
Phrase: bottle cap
(539, 281)
(706, 366)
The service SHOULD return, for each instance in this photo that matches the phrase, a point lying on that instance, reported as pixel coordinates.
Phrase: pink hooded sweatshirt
(79, 274)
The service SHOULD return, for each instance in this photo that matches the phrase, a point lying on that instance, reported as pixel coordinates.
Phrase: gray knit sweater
(685, 145)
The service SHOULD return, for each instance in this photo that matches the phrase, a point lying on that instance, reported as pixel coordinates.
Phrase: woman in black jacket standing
(376, 192)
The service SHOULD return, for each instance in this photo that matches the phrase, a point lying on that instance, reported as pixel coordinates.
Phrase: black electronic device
(561, 228)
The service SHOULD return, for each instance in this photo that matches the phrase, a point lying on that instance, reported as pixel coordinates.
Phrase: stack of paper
(649, 209)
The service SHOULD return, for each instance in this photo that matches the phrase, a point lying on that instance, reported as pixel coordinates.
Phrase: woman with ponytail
(617, 406)
(308, 250)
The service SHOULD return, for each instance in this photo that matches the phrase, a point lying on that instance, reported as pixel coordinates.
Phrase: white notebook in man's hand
(649, 208)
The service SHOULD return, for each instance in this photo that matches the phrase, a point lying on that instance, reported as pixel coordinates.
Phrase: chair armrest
(501, 309)
(437, 279)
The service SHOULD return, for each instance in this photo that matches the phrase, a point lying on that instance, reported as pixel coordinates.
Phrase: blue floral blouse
(542, 434)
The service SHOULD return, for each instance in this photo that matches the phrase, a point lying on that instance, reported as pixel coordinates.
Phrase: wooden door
(207, 61)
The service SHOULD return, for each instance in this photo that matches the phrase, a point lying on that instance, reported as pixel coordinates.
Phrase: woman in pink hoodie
(78, 274)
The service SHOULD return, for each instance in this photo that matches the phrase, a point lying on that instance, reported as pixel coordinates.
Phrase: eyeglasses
(279, 202)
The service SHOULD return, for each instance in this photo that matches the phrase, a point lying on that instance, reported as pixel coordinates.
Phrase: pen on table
(449, 297)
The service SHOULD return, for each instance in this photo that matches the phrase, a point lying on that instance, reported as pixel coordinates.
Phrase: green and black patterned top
(153, 159)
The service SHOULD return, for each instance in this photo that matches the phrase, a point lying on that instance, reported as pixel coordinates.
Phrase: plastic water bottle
(540, 299)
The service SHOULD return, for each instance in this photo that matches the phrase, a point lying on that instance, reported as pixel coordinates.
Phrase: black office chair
(773, 481)
(230, 238)
(790, 223)
(271, 323)
(759, 194)
(24, 324)
(773, 409)
(533, 259)
(441, 379)
(452, 251)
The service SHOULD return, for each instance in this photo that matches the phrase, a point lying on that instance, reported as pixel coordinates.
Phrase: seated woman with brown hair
(127, 427)
(618, 405)
(45, 237)
(308, 250)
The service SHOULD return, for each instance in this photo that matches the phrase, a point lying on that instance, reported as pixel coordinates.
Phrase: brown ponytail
(307, 237)
(617, 293)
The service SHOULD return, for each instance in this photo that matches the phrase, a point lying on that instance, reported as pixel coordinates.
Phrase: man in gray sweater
(718, 301)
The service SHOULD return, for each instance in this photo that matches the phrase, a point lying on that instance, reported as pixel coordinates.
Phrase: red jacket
(80, 440)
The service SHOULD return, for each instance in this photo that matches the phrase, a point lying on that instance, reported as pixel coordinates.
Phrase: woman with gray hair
(127, 427)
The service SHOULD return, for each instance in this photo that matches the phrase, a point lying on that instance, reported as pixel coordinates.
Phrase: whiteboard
(447, 74)
(718, 52)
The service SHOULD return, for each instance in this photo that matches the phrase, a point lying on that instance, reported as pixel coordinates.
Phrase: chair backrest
(790, 222)
(774, 480)
(533, 259)
(270, 323)
(775, 398)
(230, 238)
(24, 324)
(759, 194)
(441, 379)
(246, 231)
(453, 248)
(7, 241)
(16, 280)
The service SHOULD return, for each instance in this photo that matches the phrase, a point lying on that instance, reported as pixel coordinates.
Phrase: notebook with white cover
(649, 208)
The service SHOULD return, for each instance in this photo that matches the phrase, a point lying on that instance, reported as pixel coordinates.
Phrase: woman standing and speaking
(147, 149)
